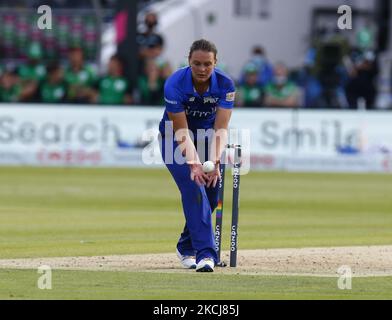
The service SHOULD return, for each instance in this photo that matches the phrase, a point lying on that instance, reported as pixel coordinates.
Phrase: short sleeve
(173, 99)
(227, 97)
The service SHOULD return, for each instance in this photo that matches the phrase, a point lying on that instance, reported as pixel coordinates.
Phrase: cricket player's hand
(198, 175)
(213, 177)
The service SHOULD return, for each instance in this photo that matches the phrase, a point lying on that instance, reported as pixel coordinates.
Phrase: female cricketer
(199, 100)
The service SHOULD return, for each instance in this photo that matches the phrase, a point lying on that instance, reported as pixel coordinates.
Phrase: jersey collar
(189, 88)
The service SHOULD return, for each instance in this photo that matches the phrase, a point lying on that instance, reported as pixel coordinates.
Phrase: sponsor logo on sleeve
(230, 97)
(171, 101)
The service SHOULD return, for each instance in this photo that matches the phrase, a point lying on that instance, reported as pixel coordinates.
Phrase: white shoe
(205, 265)
(188, 262)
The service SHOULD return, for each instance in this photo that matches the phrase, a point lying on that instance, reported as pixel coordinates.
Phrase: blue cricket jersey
(200, 110)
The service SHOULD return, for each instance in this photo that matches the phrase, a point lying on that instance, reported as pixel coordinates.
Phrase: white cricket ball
(208, 166)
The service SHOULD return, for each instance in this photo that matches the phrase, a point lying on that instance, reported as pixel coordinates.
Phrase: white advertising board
(292, 140)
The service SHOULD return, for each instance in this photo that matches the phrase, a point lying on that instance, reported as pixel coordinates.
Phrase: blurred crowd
(335, 74)
(76, 81)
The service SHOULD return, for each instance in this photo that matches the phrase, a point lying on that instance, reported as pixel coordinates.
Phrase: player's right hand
(198, 175)
(213, 177)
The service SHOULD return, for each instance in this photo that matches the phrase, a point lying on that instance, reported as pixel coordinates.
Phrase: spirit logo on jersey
(210, 100)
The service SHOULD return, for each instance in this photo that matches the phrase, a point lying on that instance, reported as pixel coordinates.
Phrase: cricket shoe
(205, 265)
(188, 262)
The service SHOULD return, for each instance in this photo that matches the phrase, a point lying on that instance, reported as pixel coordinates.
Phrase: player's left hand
(213, 177)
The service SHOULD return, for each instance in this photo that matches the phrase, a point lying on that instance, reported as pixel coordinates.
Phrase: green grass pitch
(49, 212)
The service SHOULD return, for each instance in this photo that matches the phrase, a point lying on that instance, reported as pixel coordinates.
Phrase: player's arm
(183, 138)
(187, 147)
(219, 140)
(175, 110)
(222, 119)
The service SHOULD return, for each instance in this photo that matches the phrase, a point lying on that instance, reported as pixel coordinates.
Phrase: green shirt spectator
(86, 76)
(36, 72)
(250, 94)
(10, 88)
(150, 96)
(282, 92)
(53, 93)
(113, 90)
(10, 95)
(150, 85)
(33, 69)
(79, 77)
(79, 83)
(54, 89)
(32, 73)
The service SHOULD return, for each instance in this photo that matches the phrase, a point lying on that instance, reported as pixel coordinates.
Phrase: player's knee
(193, 192)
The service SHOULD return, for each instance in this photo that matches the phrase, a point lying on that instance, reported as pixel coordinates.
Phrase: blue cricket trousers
(198, 202)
